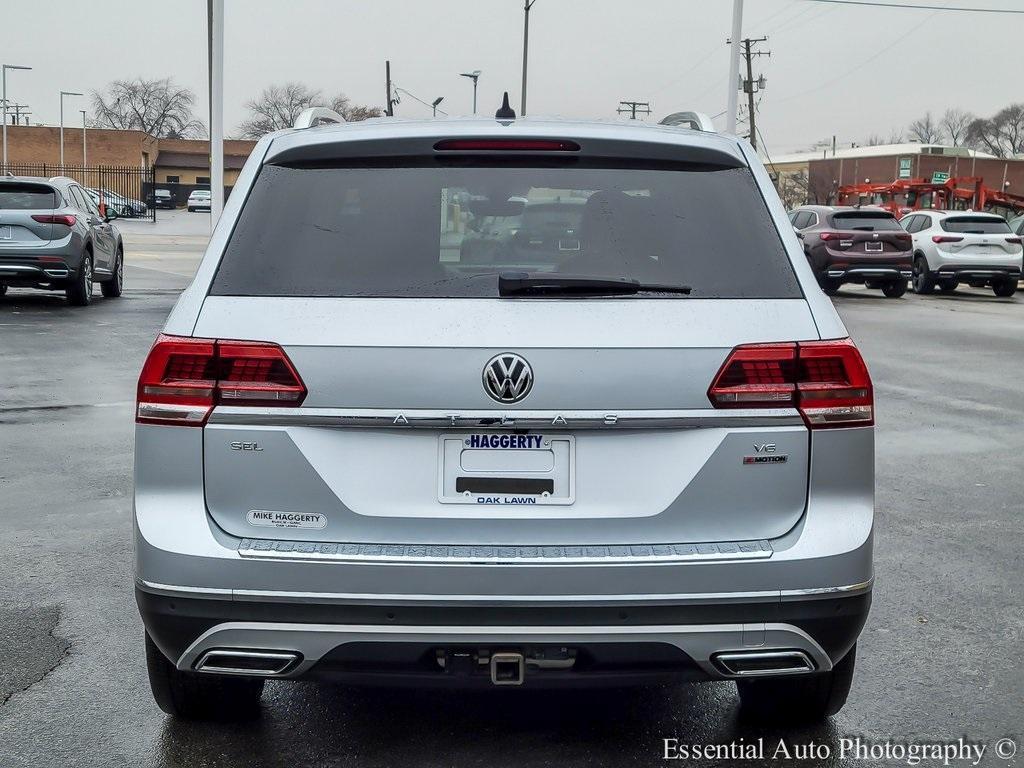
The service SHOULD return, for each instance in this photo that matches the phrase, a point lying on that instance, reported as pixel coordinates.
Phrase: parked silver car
(642, 451)
(52, 237)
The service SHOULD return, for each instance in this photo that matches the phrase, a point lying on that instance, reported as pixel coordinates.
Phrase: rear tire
(79, 293)
(948, 286)
(195, 696)
(798, 698)
(924, 283)
(894, 289)
(112, 288)
(1004, 288)
(191, 209)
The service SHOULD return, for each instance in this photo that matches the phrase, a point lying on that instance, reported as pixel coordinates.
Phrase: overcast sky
(849, 71)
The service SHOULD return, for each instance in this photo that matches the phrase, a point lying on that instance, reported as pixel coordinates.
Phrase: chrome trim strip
(495, 419)
(845, 591)
(458, 555)
(172, 590)
(256, 595)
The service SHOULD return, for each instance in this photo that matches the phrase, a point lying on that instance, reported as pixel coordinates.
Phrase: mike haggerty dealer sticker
(273, 519)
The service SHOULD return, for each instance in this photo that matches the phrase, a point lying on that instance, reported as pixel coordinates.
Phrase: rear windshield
(26, 197)
(448, 231)
(865, 221)
(975, 225)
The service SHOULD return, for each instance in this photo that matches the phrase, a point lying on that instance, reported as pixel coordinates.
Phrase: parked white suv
(951, 247)
(628, 440)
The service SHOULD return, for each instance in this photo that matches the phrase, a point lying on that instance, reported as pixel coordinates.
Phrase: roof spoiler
(697, 121)
(314, 116)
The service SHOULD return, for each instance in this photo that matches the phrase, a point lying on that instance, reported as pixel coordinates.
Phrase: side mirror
(799, 234)
(109, 213)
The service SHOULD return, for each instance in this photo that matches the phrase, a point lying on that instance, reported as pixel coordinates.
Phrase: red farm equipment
(958, 194)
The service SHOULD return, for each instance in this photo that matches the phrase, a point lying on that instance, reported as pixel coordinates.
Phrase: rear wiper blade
(546, 284)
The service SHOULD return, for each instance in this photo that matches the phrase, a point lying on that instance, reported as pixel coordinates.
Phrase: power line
(916, 7)
(900, 39)
(414, 97)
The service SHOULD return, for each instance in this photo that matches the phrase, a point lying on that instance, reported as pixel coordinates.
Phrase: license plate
(507, 469)
(5, 233)
(873, 246)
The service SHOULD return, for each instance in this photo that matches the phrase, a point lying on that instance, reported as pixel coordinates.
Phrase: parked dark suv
(855, 245)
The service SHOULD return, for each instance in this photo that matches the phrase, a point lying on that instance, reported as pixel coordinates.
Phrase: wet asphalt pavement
(940, 657)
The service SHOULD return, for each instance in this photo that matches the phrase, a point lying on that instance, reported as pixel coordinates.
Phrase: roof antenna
(505, 112)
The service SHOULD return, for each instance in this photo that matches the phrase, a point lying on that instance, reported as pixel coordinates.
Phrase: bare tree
(158, 107)
(1002, 134)
(874, 140)
(955, 123)
(793, 188)
(896, 136)
(925, 129)
(353, 113)
(278, 106)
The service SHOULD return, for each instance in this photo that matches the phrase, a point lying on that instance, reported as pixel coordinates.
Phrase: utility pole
(389, 110)
(643, 107)
(751, 86)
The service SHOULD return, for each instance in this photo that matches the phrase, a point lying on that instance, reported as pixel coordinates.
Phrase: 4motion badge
(765, 453)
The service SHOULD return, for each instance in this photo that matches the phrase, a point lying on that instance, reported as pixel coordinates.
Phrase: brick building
(183, 161)
(40, 145)
(187, 161)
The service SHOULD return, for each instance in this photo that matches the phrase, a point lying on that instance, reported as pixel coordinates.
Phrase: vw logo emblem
(508, 378)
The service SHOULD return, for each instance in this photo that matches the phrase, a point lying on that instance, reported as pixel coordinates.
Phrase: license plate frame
(527, 459)
(873, 247)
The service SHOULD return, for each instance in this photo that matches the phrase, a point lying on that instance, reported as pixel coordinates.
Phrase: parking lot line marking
(162, 271)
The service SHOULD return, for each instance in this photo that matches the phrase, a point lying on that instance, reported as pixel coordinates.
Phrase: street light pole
(474, 76)
(734, 66)
(84, 163)
(62, 95)
(527, 5)
(435, 102)
(5, 68)
(216, 33)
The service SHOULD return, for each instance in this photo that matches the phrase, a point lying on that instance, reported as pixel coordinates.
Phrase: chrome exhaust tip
(232, 661)
(763, 663)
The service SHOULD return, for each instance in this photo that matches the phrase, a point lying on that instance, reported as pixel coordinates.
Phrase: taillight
(904, 236)
(826, 380)
(946, 238)
(1014, 240)
(67, 219)
(184, 378)
(833, 236)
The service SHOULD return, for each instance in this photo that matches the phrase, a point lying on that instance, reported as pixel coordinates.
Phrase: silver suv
(626, 440)
(54, 237)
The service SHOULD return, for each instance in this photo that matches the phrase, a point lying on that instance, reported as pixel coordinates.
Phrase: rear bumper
(39, 265)
(978, 272)
(399, 643)
(859, 273)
